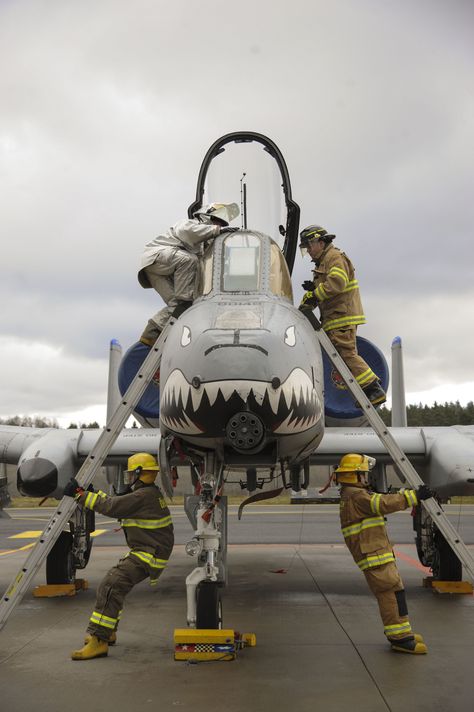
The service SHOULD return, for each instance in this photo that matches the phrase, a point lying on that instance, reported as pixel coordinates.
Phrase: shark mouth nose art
(205, 408)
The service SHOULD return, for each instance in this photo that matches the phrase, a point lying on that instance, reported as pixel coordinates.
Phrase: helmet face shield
(131, 476)
(304, 248)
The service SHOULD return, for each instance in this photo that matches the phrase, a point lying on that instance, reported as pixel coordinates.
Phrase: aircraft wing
(14, 440)
(443, 456)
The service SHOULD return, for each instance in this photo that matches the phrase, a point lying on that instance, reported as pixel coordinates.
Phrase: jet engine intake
(46, 465)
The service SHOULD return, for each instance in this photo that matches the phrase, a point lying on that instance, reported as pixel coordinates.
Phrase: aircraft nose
(37, 477)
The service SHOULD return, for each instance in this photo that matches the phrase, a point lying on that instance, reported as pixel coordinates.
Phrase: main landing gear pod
(339, 405)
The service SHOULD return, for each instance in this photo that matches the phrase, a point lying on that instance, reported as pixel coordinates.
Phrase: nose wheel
(208, 605)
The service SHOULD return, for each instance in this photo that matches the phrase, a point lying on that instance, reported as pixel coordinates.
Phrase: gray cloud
(109, 108)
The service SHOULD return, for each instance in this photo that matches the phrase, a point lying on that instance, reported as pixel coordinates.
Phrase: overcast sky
(108, 107)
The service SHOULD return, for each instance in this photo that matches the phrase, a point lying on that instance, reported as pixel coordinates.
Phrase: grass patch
(32, 502)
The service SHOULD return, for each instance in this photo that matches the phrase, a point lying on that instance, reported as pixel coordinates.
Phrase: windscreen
(241, 263)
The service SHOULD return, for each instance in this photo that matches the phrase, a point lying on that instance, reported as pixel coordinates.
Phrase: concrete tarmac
(320, 642)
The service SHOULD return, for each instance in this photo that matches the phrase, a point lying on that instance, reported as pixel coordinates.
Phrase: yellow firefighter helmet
(351, 465)
(144, 466)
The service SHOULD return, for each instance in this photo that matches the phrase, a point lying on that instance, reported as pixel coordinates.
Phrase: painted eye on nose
(186, 336)
(290, 336)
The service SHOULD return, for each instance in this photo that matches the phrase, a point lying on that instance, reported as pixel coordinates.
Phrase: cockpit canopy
(245, 262)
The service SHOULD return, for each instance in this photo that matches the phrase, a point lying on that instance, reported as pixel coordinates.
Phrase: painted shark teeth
(299, 398)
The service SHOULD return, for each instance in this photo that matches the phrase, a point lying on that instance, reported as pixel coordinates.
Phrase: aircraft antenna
(243, 201)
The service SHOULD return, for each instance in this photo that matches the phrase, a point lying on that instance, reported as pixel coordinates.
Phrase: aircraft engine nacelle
(339, 407)
(450, 467)
(47, 465)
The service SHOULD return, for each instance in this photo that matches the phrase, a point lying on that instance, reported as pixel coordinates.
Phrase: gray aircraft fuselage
(241, 371)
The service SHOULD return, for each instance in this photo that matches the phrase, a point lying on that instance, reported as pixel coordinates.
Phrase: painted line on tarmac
(15, 551)
(27, 535)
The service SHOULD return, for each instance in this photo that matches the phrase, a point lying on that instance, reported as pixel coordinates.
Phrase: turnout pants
(111, 594)
(173, 275)
(345, 342)
(387, 586)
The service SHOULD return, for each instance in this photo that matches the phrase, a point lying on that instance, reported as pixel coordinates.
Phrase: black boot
(375, 393)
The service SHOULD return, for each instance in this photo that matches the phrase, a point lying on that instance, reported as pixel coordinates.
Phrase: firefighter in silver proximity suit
(169, 263)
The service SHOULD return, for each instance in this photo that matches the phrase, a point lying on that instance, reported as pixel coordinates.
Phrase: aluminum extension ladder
(399, 458)
(85, 476)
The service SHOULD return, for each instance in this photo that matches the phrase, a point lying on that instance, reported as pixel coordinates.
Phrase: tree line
(38, 421)
(436, 414)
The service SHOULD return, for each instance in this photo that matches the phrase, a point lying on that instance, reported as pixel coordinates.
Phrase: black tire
(421, 538)
(60, 566)
(251, 479)
(446, 566)
(208, 605)
(295, 477)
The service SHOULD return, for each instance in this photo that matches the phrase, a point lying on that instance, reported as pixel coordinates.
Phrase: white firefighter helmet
(223, 212)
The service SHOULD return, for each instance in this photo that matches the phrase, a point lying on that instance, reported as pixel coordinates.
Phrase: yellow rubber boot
(111, 641)
(411, 645)
(94, 648)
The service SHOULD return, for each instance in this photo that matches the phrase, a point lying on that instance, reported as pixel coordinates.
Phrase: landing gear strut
(207, 513)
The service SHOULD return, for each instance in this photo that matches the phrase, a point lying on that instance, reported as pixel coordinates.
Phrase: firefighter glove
(309, 299)
(308, 284)
(229, 229)
(72, 488)
(423, 492)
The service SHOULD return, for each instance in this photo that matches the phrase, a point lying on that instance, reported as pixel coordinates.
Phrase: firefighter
(336, 292)
(169, 263)
(148, 529)
(363, 527)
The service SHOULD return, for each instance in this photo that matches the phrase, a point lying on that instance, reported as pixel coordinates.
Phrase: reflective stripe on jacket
(337, 290)
(144, 515)
(365, 534)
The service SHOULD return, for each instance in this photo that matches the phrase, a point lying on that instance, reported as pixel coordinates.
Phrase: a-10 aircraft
(243, 387)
